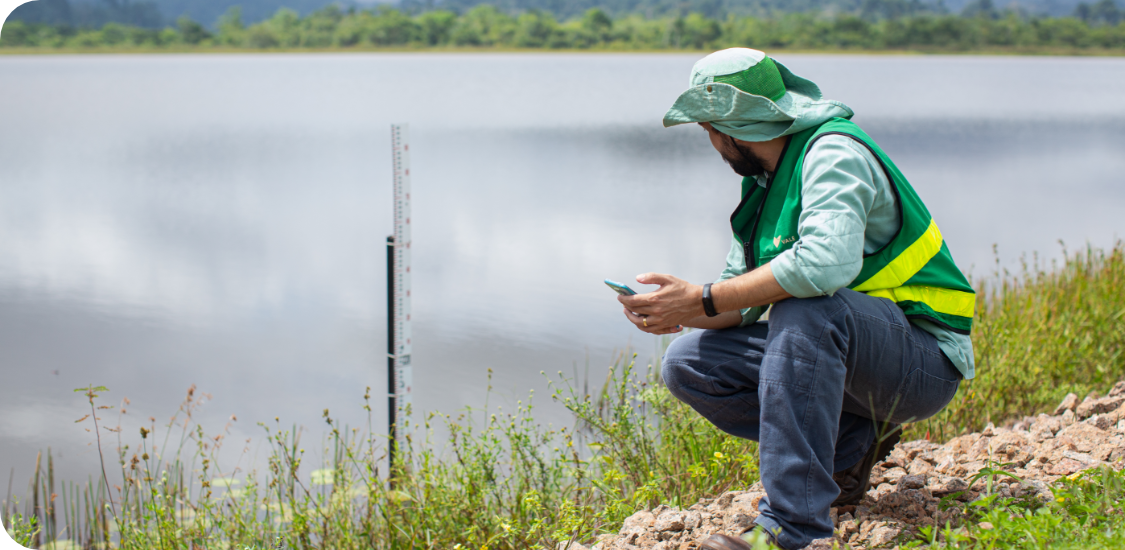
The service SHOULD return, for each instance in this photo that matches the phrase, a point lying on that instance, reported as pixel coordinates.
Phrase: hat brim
(750, 117)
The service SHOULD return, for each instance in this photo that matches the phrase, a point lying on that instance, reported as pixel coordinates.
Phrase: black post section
(391, 352)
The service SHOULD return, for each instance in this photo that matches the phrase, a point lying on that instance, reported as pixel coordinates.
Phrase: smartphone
(620, 288)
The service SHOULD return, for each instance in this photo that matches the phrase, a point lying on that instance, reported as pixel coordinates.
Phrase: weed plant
(502, 482)
(1038, 335)
(1084, 512)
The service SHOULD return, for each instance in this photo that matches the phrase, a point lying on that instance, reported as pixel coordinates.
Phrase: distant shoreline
(997, 52)
(486, 28)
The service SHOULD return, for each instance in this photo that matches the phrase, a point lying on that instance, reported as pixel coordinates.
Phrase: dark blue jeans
(810, 386)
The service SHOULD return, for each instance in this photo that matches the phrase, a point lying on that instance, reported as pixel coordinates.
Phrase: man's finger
(633, 312)
(663, 329)
(635, 319)
(636, 300)
(644, 324)
(655, 279)
(642, 308)
(656, 322)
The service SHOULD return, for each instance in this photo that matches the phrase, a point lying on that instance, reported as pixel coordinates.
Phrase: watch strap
(708, 305)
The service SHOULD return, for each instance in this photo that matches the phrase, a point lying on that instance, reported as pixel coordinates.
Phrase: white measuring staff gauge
(404, 376)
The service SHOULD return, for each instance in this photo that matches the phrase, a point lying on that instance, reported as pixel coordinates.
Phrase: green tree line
(485, 26)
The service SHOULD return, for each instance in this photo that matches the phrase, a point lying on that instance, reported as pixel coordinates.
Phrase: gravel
(907, 487)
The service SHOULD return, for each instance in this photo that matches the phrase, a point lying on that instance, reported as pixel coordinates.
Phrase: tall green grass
(1039, 334)
(501, 480)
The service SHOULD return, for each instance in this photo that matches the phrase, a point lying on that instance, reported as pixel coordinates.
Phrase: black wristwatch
(708, 305)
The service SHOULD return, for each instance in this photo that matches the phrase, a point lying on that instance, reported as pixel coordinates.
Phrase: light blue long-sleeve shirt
(847, 210)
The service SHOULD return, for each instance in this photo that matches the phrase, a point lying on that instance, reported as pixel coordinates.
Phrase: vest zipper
(748, 246)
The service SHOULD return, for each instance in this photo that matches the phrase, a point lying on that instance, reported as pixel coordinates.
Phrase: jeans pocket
(923, 395)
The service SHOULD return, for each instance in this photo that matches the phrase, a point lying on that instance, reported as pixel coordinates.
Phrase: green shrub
(391, 27)
(536, 29)
(24, 530)
(435, 26)
(190, 31)
(1084, 513)
(16, 33)
(1038, 335)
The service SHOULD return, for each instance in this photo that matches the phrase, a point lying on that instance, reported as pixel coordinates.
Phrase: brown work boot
(854, 481)
(741, 542)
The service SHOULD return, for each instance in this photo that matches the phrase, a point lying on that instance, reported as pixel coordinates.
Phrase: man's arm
(731, 296)
(837, 193)
(755, 288)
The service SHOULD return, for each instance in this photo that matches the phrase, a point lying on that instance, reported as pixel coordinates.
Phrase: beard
(742, 160)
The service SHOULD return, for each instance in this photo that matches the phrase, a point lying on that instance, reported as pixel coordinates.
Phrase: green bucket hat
(748, 96)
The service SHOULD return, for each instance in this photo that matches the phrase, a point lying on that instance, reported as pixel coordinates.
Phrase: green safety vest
(915, 269)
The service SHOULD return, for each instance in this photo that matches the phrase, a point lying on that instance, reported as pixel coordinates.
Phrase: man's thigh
(716, 372)
(895, 371)
(716, 362)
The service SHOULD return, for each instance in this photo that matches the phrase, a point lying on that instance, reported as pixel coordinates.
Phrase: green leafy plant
(1084, 512)
(24, 530)
(1038, 335)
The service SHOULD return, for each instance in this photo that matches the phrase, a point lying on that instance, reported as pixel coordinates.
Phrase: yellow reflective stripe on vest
(941, 300)
(907, 264)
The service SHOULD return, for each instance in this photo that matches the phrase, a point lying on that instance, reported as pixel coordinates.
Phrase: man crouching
(870, 317)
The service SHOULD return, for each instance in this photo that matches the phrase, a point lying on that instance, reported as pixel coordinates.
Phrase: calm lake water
(219, 220)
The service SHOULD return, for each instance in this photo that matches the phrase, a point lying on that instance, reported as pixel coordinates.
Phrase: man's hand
(664, 311)
(680, 303)
(644, 325)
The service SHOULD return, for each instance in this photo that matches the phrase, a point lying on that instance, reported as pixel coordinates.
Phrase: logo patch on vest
(778, 241)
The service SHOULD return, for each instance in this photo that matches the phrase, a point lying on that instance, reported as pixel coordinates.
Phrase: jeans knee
(683, 347)
(678, 358)
(672, 375)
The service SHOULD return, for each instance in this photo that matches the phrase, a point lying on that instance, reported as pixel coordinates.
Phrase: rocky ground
(908, 486)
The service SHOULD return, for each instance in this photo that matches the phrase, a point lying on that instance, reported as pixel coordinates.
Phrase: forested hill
(710, 8)
(154, 13)
(869, 9)
(209, 11)
(160, 13)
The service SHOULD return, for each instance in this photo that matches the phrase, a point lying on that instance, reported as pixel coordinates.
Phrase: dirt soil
(907, 487)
